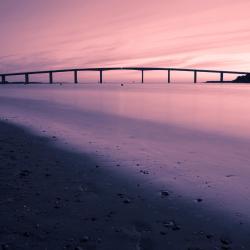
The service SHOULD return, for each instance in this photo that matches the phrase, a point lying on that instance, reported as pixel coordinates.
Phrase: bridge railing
(101, 70)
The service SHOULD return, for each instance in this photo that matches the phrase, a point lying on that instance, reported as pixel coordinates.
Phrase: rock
(24, 173)
(144, 172)
(225, 241)
(26, 234)
(121, 195)
(172, 225)
(84, 239)
(209, 236)
(199, 200)
(78, 248)
(164, 193)
(230, 175)
(127, 201)
(5, 247)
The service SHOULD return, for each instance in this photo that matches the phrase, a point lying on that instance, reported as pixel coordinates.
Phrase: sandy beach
(79, 169)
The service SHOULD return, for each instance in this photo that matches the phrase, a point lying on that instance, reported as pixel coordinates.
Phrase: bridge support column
(195, 76)
(142, 76)
(169, 76)
(101, 76)
(50, 77)
(221, 77)
(3, 79)
(75, 76)
(27, 79)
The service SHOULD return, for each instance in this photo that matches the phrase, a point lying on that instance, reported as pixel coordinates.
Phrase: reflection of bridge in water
(101, 70)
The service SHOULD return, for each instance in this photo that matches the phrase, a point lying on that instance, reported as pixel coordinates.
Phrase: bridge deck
(102, 69)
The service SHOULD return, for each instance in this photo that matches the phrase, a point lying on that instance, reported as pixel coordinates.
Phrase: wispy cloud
(93, 33)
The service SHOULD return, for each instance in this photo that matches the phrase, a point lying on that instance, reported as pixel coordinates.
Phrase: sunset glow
(52, 34)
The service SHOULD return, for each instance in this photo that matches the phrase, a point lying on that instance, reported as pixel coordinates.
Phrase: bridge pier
(3, 79)
(101, 76)
(75, 76)
(195, 76)
(50, 77)
(142, 76)
(221, 76)
(169, 76)
(27, 79)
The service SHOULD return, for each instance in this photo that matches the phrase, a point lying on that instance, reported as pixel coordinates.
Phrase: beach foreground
(76, 174)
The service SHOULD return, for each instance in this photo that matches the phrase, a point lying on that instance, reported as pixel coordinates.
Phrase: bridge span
(102, 69)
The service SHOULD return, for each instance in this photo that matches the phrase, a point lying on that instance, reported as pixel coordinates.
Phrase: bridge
(101, 70)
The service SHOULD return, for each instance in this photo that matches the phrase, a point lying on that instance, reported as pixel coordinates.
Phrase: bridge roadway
(101, 70)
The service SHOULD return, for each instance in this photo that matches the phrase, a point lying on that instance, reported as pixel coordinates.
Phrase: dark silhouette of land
(242, 79)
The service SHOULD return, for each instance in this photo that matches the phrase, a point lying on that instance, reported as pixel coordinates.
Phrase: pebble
(78, 248)
(164, 193)
(127, 201)
(199, 200)
(144, 172)
(225, 241)
(172, 225)
(209, 236)
(5, 246)
(26, 234)
(84, 239)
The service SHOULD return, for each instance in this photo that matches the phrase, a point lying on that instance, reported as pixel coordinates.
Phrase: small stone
(172, 225)
(5, 246)
(85, 239)
(120, 195)
(225, 241)
(26, 234)
(199, 200)
(164, 193)
(78, 248)
(127, 201)
(144, 172)
(230, 175)
(209, 236)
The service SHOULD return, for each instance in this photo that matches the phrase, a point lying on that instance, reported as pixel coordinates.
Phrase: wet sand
(56, 199)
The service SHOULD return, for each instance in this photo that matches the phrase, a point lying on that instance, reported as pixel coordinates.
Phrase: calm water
(217, 108)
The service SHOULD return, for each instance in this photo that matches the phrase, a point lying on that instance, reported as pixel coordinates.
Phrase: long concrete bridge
(101, 70)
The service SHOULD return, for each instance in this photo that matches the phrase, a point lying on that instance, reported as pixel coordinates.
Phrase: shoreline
(54, 199)
(73, 177)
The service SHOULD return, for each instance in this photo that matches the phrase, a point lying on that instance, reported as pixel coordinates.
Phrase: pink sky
(50, 34)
